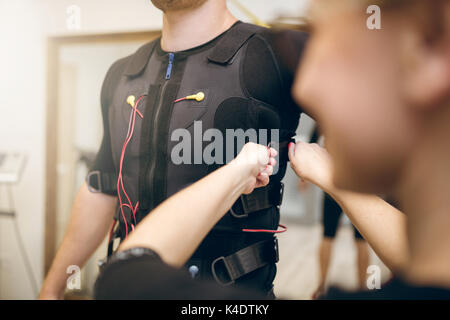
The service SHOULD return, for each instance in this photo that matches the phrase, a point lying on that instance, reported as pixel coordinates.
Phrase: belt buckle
(281, 193)
(277, 257)
(99, 181)
(213, 269)
(244, 206)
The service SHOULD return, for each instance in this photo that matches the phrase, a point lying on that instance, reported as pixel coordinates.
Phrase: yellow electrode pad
(131, 100)
(198, 96)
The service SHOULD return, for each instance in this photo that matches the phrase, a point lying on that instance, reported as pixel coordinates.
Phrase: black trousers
(331, 215)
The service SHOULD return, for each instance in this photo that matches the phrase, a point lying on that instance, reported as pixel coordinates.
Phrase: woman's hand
(312, 163)
(255, 164)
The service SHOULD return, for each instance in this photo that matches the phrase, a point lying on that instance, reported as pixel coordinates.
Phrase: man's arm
(92, 213)
(90, 219)
(382, 225)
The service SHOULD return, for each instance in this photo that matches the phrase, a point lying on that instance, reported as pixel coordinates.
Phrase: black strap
(259, 199)
(140, 58)
(283, 150)
(227, 269)
(102, 182)
(231, 42)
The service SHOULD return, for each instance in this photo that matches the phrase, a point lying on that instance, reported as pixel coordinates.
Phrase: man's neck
(185, 29)
(425, 197)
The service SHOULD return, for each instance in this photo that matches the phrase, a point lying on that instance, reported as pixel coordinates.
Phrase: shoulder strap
(139, 59)
(105, 181)
(232, 41)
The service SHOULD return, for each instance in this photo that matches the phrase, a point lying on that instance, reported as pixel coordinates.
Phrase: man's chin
(177, 5)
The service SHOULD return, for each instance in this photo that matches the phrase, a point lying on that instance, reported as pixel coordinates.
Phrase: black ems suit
(244, 86)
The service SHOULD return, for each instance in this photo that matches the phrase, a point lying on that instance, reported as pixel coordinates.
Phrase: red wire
(266, 230)
(178, 100)
(129, 205)
(140, 114)
(120, 179)
(112, 230)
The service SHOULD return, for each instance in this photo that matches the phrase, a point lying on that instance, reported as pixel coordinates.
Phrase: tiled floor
(298, 269)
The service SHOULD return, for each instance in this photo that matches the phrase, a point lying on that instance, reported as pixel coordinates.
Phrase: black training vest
(149, 175)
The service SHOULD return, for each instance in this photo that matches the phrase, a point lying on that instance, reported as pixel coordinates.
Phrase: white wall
(22, 93)
(24, 26)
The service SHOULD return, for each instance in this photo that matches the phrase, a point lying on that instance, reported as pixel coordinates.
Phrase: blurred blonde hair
(428, 15)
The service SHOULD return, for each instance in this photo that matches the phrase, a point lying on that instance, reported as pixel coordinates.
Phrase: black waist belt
(259, 199)
(98, 181)
(283, 149)
(227, 269)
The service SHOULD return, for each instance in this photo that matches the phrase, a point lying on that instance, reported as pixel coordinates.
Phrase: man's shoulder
(283, 35)
(270, 62)
(286, 45)
(132, 62)
(129, 65)
(270, 33)
(283, 47)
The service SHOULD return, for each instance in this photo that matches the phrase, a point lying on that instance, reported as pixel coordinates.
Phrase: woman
(382, 98)
(385, 115)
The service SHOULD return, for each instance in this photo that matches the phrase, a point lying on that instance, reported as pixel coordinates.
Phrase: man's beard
(173, 5)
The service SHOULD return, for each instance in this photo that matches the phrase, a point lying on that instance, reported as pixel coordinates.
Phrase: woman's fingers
(260, 156)
(272, 162)
(268, 169)
(258, 162)
(291, 151)
(268, 166)
(273, 153)
(312, 163)
(262, 179)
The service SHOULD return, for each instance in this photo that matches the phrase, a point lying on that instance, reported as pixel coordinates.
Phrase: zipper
(154, 130)
(150, 177)
(169, 67)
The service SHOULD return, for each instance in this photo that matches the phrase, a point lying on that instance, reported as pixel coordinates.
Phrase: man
(207, 67)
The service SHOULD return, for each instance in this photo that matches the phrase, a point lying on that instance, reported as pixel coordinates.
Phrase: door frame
(54, 46)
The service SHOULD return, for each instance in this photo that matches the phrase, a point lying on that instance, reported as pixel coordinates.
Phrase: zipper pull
(169, 67)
